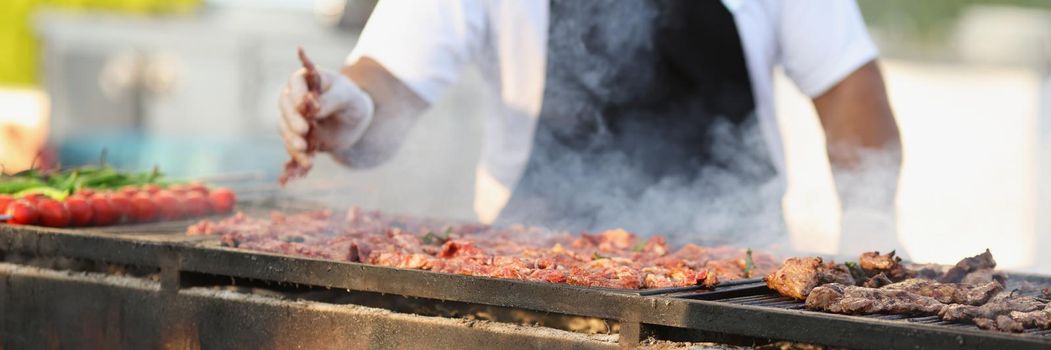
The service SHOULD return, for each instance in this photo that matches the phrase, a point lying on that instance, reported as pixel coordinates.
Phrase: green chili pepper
(52, 193)
(15, 185)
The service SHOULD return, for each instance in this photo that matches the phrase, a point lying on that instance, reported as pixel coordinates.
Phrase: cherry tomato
(143, 208)
(179, 189)
(196, 204)
(151, 188)
(4, 201)
(198, 187)
(103, 212)
(53, 213)
(129, 191)
(34, 197)
(86, 192)
(121, 205)
(222, 200)
(23, 212)
(169, 205)
(80, 212)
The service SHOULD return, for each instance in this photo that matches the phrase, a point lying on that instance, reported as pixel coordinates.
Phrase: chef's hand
(344, 114)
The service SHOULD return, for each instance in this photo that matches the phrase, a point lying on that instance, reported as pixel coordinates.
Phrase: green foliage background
(927, 22)
(19, 47)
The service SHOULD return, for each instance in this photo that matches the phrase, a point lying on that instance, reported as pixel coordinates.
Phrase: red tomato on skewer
(103, 212)
(196, 204)
(4, 201)
(23, 212)
(143, 208)
(121, 205)
(169, 205)
(222, 200)
(53, 213)
(80, 212)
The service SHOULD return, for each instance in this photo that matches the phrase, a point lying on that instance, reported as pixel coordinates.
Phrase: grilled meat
(879, 280)
(798, 276)
(613, 258)
(888, 264)
(1034, 319)
(968, 265)
(1002, 304)
(949, 293)
(1001, 323)
(984, 276)
(848, 299)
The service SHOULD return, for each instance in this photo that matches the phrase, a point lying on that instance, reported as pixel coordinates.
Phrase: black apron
(648, 124)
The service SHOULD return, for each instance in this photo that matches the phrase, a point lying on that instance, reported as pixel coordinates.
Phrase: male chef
(656, 116)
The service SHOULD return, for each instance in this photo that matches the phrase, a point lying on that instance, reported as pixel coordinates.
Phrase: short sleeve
(424, 44)
(823, 41)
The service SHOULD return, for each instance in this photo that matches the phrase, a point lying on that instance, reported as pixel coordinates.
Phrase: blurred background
(191, 86)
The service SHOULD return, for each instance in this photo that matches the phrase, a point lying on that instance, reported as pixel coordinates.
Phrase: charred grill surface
(743, 308)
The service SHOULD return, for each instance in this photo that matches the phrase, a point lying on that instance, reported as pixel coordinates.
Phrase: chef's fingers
(297, 85)
(332, 101)
(302, 158)
(293, 140)
(290, 114)
(327, 77)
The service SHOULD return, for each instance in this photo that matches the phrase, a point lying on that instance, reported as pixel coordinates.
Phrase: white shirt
(425, 44)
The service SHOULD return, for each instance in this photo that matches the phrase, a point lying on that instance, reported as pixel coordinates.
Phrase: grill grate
(743, 308)
(755, 293)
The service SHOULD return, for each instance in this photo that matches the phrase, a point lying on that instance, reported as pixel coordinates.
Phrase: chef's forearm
(397, 108)
(863, 143)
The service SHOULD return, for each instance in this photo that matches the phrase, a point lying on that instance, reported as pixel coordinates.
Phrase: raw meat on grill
(949, 293)
(612, 259)
(798, 276)
(847, 299)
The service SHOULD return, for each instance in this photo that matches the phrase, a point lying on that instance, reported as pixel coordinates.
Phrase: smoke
(867, 194)
(733, 199)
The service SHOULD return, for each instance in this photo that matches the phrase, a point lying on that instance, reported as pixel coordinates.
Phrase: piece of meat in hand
(309, 107)
(846, 299)
(798, 276)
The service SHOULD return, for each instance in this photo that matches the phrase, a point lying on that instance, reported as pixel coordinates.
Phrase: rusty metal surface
(44, 308)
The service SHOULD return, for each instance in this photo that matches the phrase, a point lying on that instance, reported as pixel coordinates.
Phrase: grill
(198, 292)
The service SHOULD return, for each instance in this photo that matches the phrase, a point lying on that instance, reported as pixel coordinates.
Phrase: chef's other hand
(344, 114)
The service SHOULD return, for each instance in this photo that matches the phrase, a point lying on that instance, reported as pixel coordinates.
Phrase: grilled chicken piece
(798, 276)
(949, 293)
(968, 265)
(846, 299)
(1001, 304)
(873, 263)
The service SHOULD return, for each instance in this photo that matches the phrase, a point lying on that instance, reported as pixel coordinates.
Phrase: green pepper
(17, 184)
(53, 193)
